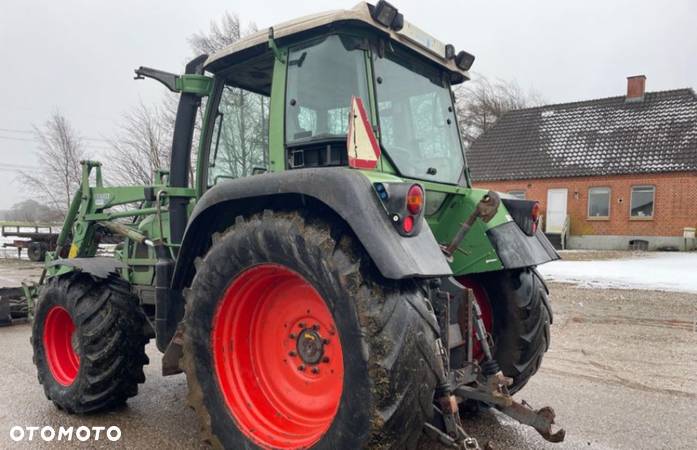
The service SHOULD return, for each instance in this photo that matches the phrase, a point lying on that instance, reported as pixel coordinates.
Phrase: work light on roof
(464, 60)
(387, 15)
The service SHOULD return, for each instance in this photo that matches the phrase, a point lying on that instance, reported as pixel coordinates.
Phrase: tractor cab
(281, 98)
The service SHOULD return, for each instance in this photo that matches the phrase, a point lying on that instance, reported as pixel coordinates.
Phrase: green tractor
(322, 269)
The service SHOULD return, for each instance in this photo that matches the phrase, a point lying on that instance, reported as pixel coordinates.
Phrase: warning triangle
(363, 148)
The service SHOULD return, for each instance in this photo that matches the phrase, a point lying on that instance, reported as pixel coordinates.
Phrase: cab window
(240, 142)
(323, 75)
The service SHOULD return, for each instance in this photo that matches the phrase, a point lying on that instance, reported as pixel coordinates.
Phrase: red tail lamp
(408, 224)
(415, 199)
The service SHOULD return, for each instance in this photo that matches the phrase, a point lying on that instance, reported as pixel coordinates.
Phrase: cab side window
(240, 135)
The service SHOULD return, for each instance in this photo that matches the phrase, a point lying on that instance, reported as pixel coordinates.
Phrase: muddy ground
(621, 373)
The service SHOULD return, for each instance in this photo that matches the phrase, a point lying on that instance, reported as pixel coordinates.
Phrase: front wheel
(89, 343)
(293, 340)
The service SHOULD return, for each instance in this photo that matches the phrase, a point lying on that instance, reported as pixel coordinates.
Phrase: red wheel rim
(277, 357)
(63, 361)
(487, 315)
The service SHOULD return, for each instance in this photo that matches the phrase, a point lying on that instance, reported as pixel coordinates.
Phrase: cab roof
(253, 50)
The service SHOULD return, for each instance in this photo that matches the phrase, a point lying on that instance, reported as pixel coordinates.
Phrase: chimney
(636, 87)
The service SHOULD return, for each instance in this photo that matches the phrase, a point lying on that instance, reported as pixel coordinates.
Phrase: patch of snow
(660, 271)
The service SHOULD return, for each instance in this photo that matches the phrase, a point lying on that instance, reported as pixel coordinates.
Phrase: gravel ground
(621, 373)
(14, 271)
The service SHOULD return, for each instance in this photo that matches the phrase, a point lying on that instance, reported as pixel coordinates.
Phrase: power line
(14, 130)
(17, 166)
(12, 138)
(17, 130)
(37, 141)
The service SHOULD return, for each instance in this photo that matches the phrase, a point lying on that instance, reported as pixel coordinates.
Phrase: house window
(599, 202)
(641, 205)
(517, 194)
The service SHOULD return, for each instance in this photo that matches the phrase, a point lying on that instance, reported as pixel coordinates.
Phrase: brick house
(610, 173)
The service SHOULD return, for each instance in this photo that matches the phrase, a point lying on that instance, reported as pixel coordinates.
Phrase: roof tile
(606, 136)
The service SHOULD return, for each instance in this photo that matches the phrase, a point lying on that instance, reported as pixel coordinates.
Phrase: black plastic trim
(181, 152)
(517, 250)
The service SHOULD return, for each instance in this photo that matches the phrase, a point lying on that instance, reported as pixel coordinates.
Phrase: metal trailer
(35, 238)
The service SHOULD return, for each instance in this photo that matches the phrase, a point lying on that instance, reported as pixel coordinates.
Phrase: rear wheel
(516, 312)
(293, 340)
(89, 344)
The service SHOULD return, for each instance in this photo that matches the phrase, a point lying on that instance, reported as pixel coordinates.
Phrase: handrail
(565, 231)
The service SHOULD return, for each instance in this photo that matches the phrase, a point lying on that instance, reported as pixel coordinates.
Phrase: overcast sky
(79, 56)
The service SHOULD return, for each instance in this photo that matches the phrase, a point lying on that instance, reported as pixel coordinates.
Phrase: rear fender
(344, 192)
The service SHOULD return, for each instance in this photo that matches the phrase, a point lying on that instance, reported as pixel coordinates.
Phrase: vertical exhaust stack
(181, 153)
(636, 88)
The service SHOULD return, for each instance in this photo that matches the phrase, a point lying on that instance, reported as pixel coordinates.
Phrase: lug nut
(315, 370)
(325, 359)
(315, 327)
(301, 325)
(301, 367)
(292, 353)
(325, 341)
(293, 335)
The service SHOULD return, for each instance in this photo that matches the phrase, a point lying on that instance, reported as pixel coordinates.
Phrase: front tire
(266, 291)
(89, 343)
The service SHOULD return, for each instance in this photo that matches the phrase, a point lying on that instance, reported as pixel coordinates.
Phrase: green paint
(277, 115)
(200, 85)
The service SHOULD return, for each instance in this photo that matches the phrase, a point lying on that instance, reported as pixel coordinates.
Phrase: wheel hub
(310, 345)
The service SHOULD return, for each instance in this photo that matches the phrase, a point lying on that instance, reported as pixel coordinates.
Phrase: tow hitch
(482, 382)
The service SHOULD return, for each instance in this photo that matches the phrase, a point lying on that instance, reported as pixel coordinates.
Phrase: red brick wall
(675, 203)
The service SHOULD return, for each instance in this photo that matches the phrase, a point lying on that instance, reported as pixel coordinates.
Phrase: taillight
(408, 224)
(415, 199)
(535, 216)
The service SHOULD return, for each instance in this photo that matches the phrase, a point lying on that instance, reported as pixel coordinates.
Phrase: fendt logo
(50, 434)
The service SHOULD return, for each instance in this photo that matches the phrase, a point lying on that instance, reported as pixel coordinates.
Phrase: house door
(556, 210)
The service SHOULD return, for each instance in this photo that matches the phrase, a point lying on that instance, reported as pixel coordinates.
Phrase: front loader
(328, 278)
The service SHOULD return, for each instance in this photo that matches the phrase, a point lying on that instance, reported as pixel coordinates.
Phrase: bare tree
(144, 138)
(143, 145)
(220, 34)
(33, 211)
(480, 103)
(60, 152)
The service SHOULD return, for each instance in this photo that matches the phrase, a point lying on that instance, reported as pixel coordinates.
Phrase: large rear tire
(521, 320)
(89, 343)
(293, 340)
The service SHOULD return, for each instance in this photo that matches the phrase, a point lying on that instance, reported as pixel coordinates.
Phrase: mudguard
(516, 249)
(98, 266)
(346, 192)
